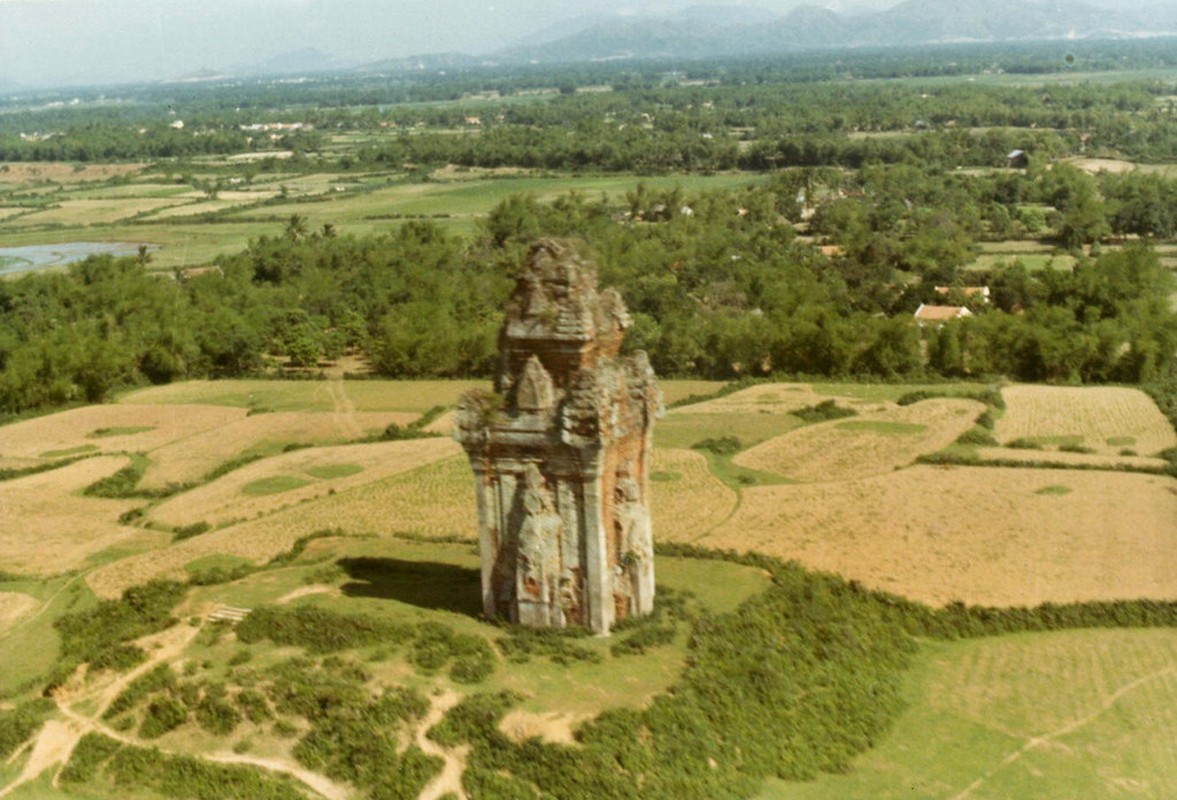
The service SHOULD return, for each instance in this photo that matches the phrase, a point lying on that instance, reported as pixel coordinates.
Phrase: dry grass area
(14, 606)
(83, 427)
(1095, 165)
(981, 535)
(686, 500)
(1105, 418)
(189, 459)
(48, 528)
(54, 172)
(774, 398)
(1079, 460)
(224, 500)
(865, 445)
(433, 501)
(96, 212)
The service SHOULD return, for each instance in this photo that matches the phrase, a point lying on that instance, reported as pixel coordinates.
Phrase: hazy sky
(56, 42)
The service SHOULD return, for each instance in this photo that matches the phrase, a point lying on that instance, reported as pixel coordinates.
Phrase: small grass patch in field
(273, 485)
(329, 471)
(882, 427)
(682, 429)
(665, 476)
(72, 451)
(1054, 489)
(1068, 440)
(1120, 441)
(128, 430)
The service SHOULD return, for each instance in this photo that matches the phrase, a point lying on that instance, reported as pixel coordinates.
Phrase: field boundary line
(1038, 741)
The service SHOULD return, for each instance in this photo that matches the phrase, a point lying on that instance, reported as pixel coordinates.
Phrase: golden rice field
(870, 444)
(1104, 418)
(48, 528)
(686, 500)
(189, 459)
(266, 486)
(977, 534)
(109, 429)
(436, 500)
(775, 398)
(97, 212)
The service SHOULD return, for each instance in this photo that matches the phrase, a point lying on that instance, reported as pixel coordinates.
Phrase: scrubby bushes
(20, 723)
(99, 635)
(319, 630)
(823, 412)
(560, 646)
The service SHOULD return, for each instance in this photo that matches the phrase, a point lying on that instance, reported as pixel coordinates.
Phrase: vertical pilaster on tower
(560, 452)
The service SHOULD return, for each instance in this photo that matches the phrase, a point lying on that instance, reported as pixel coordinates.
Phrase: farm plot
(188, 460)
(982, 535)
(266, 486)
(1088, 713)
(48, 528)
(686, 500)
(110, 429)
(770, 398)
(14, 606)
(95, 212)
(1106, 419)
(867, 445)
(433, 501)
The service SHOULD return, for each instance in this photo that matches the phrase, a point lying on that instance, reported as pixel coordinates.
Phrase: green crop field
(1032, 716)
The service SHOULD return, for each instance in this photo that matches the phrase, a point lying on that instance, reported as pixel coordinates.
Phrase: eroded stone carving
(560, 452)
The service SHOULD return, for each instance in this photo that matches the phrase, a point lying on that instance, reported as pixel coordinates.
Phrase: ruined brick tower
(560, 453)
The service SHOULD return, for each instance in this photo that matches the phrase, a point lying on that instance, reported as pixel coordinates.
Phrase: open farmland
(977, 534)
(1033, 716)
(1105, 419)
(266, 486)
(864, 445)
(48, 528)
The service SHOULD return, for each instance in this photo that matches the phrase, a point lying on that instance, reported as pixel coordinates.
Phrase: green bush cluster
(188, 531)
(824, 411)
(174, 776)
(415, 429)
(978, 436)
(17, 725)
(159, 679)
(521, 643)
(318, 629)
(436, 645)
(719, 445)
(163, 714)
(99, 635)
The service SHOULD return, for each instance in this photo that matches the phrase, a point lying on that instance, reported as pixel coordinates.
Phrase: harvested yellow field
(96, 212)
(981, 535)
(433, 501)
(271, 484)
(1105, 418)
(870, 444)
(25, 172)
(188, 460)
(49, 528)
(1081, 460)
(775, 398)
(110, 429)
(686, 500)
(14, 606)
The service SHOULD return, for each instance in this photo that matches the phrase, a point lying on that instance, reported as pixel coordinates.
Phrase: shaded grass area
(683, 429)
(274, 484)
(30, 649)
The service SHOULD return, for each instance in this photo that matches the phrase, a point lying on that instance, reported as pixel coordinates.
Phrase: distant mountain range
(710, 31)
(722, 31)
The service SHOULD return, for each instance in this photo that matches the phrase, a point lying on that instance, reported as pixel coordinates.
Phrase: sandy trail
(449, 781)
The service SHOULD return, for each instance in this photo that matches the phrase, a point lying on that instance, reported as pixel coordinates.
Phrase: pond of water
(41, 256)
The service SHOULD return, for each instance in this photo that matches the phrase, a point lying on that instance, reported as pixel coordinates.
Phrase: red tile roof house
(938, 315)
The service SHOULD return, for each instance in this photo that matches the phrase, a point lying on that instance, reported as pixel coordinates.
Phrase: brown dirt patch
(223, 500)
(981, 535)
(48, 528)
(554, 727)
(14, 606)
(1094, 414)
(865, 445)
(686, 500)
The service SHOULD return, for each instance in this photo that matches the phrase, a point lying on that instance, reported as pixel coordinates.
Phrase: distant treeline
(717, 283)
